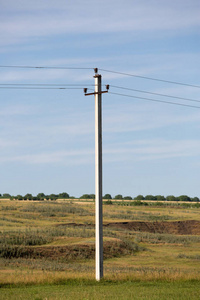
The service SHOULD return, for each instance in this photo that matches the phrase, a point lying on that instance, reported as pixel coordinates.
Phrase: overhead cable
(43, 84)
(46, 67)
(156, 94)
(104, 70)
(40, 88)
(151, 78)
(155, 100)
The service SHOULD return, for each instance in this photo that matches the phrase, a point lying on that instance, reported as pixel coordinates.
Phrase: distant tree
(6, 195)
(85, 196)
(19, 197)
(53, 197)
(139, 197)
(40, 196)
(28, 197)
(107, 196)
(63, 195)
(150, 197)
(195, 199)
(128, 198)
(160, 198)
(184, 198)
(171, 198)
(119, 197)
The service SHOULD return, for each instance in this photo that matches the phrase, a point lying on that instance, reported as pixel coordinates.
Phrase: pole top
(96, 73)
(97, 76)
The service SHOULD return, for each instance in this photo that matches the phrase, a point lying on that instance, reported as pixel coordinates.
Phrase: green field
(47, 251)
(106, 290)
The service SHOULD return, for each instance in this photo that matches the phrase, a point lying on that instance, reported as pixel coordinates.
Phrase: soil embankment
(188, 227)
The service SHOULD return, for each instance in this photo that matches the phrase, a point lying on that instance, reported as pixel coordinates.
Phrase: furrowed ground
(53, 242)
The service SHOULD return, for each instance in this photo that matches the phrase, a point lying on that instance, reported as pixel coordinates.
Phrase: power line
(104, 70)
(41, 88)
(47, 67)
(151, 78)
(44, 84)
(156, 94)
(149, 99)
(80, 88)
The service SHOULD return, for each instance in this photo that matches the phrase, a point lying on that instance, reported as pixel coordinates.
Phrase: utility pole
(98, 174)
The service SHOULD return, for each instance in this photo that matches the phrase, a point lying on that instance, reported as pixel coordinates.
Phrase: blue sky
(47, 136)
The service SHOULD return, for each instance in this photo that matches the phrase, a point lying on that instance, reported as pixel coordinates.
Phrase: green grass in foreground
(83, 289)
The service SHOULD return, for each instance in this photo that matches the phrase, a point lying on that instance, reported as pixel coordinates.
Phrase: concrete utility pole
(98, 178)
(98, 174)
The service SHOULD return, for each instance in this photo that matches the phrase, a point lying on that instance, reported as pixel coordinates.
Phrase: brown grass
(162, 251)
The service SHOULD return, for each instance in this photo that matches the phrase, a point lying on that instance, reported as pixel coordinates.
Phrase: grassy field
(47, 251)
(76, 290)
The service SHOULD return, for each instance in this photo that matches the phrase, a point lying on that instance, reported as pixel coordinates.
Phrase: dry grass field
(47, 242)
(150, 252)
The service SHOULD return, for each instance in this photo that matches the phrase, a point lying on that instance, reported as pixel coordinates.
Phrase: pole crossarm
(99, 92)
(96, 93)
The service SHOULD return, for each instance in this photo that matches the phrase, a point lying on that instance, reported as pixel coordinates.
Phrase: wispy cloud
(72, 157)
(137, 116)
(141, 150)
(79, 17)
(16, 110)
(155, 149)
(38, 75)
(4, 143)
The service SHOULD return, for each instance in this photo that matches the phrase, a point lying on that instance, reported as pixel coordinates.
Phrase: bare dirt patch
(189, 227)
(112, 248)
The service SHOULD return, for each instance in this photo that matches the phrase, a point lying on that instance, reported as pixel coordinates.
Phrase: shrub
(137, 203)
(108, 202)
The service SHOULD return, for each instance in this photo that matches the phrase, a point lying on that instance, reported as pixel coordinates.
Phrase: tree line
(40, 196)
(64, 195)
(154, 198)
